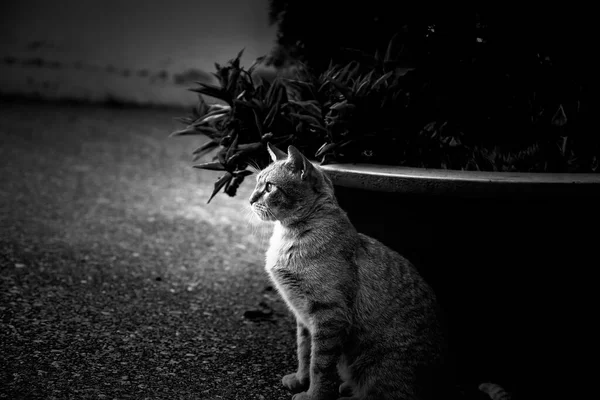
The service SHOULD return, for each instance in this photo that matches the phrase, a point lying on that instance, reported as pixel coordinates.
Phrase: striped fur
(495, 391)
(365, 318)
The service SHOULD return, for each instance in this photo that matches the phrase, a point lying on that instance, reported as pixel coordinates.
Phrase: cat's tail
(495, 391)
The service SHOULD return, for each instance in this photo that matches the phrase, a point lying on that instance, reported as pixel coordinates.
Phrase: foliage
(488, 88)
(252, 112)
(388, 115)
(438, 109)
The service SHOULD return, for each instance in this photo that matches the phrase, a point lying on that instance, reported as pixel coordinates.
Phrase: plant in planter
(488, 90)
(378, 113)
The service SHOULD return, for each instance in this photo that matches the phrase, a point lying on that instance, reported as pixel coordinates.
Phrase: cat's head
(290, 187)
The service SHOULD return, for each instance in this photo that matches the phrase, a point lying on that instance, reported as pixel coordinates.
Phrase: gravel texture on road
(117, 280)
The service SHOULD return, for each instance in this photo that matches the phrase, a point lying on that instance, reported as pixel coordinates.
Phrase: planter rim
(386, 178)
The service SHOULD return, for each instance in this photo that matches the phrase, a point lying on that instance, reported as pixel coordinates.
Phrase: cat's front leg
(299, 380)
(326, 349)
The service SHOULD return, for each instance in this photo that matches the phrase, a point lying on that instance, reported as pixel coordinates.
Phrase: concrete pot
(511, 257)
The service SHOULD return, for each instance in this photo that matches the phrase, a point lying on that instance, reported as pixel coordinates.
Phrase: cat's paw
(302, 396)
(295, 384)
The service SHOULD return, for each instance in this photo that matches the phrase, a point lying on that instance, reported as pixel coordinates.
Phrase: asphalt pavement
(117, 280)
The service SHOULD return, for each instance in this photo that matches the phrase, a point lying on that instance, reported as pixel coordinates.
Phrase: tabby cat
(365, 318)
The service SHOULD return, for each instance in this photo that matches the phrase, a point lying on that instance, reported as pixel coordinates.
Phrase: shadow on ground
(116, 279)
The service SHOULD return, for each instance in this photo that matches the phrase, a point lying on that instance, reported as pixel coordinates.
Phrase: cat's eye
(268, 187)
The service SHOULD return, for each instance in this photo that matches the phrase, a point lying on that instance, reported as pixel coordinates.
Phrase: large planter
(512, 258)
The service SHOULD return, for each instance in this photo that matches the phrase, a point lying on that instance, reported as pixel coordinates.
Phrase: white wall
(118, 48)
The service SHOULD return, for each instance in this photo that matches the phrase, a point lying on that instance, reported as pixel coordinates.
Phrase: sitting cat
(364, 315)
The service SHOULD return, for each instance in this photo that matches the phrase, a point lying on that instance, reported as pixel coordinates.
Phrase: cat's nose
(253, 199)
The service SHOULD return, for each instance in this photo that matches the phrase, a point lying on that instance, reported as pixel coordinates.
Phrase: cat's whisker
(250, 218)
(256, 225)
(247, 211)
(254, 166)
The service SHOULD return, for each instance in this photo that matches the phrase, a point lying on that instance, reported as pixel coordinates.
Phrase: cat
(364, 315)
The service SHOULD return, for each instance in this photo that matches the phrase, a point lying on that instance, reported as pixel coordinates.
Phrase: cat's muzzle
(262, 212)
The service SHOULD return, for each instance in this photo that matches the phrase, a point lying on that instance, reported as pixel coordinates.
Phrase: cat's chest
(282, 251)
(288, 270)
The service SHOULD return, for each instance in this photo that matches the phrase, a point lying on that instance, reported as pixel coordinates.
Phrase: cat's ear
(299, 162)
(275, 153)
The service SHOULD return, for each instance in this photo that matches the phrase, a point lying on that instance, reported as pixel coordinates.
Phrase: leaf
(323, 85)
(342, 105)
(242, 150)
(209, 131)
(261, 86)
(283, 139)
(213, 91)
(190, 130)
(388, 52)
(328, 159)
(222, 181)
(266, 137)
(184, 120)
(233, 160)
(352, 73)
(306, 118)
(382, 79)
(311, 106)
(258, 104)
(245, 103)
(242, 173)
(221, 155)
(271, 116)
(217, 106)
(201, 107)
(326, 148)
(205, 148)
(274, 88)
(212, 166)
(280, 98)
(211, 116)
(239, 96)
(430, 128)
(368, 76)
(343, 89)
(236, 61)
(258, 122)
(197, 130)
(234, 77)
(560, 118)
(256, 63)
(232, 148)
(233, 185)
(362, 88)
(224, 76)
(345, 74)
(298, 86)
(563, 146)
(319, 127)
(335, 73)
(454, 142)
